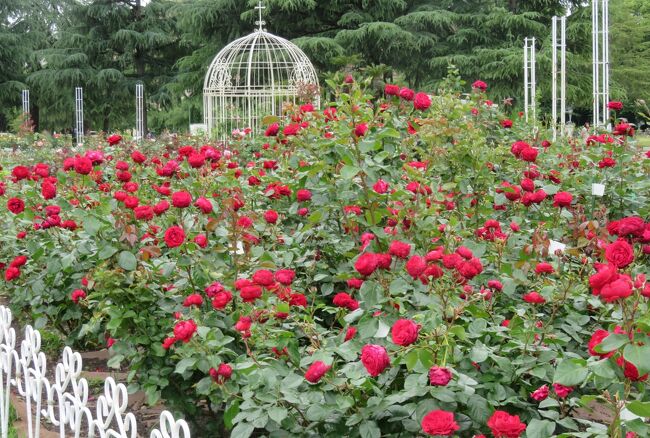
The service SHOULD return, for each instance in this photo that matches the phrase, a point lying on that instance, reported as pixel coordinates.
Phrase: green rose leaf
(127, 261)
(638, 356)
(571, 372)
(540, 428)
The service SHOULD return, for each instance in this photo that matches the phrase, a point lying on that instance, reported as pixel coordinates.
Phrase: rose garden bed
(385, 267)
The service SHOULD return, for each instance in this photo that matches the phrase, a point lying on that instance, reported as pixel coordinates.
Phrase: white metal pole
(554, 76)
(139, 112)
(79, 114)
(563, 76)
(25, 94)
(533, 86)
(596, 67)
(605, 60)
(526, 85)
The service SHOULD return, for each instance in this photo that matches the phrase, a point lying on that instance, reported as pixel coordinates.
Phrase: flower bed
(411, 265)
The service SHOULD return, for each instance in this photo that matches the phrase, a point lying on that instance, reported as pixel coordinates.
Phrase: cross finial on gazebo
(260, 22)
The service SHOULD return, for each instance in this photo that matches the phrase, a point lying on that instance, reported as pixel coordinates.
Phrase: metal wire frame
(558, 44)
(25, 95)
(139, 112)
(600, 56)
(79, 114)
(252, 77)
(530, 80)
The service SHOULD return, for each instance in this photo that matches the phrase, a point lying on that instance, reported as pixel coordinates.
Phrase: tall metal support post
(139, 112)
(530, 81)
(558, 44)
(25, 95)
(600, 56)
(79, 114)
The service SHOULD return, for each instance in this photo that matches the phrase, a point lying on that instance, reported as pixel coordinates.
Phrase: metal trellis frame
(530, 81)
(79, 114)
(253, 77)
(600, 57)
(139, 112)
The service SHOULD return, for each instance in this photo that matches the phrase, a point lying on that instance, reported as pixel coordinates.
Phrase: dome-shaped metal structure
(253, 77)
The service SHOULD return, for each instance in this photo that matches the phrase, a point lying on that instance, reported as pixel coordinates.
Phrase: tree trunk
(35, 115)
(106, 125)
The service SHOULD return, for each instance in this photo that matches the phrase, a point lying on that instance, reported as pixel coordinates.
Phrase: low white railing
(24, 371)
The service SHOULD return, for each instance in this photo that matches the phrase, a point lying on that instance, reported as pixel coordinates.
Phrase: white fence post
(67, 398)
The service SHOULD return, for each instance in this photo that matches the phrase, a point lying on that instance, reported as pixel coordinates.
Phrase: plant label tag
(598, 189)
(555, 246)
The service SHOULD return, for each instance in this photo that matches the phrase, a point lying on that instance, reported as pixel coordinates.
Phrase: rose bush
(385, 267)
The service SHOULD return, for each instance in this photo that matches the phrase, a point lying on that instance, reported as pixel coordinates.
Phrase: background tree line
(107, 46)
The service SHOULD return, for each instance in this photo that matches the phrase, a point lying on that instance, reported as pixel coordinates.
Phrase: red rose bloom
(77, 295)
(20, 172)
(221, 374)
(615, 105)
(143, 212)
(343, 299)
(272, 130)
(630, 226)
(271, 216)
(406, 94)
(316, 371)
(48, 190)
(630, 371)
(479, 85)
(399, 249)
(606, 274)
(303, 195)
(349, 333)
(421, 102)
(366, 264)
(243, 324)
(391, 90)
(540, 393)
(250, 293)
(561, 390)
(562, 199)
(439, 423)
(12, 273)
(595, 340)
(375, 359)
(221, 299)
(504, 425)
(439, 376)
(196, 160)
(161, 207)
(617, 289)
(534, 298)
(201, 240)
(285, 276)
(184, 330)
(404, 332)
(181, 199)
(174, 236)
(83, 165)
(619, 253)
(544, 268)
(263, 277)
(529, 154)
(416, 266)
(193, 300)
(15, 205)
(114, 139)
(204, 205)
(18, 261)
(361, 129)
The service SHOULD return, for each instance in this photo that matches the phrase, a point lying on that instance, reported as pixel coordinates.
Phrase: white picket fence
(24, 370)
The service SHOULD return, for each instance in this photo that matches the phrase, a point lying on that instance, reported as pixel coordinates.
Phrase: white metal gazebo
(253, 77)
